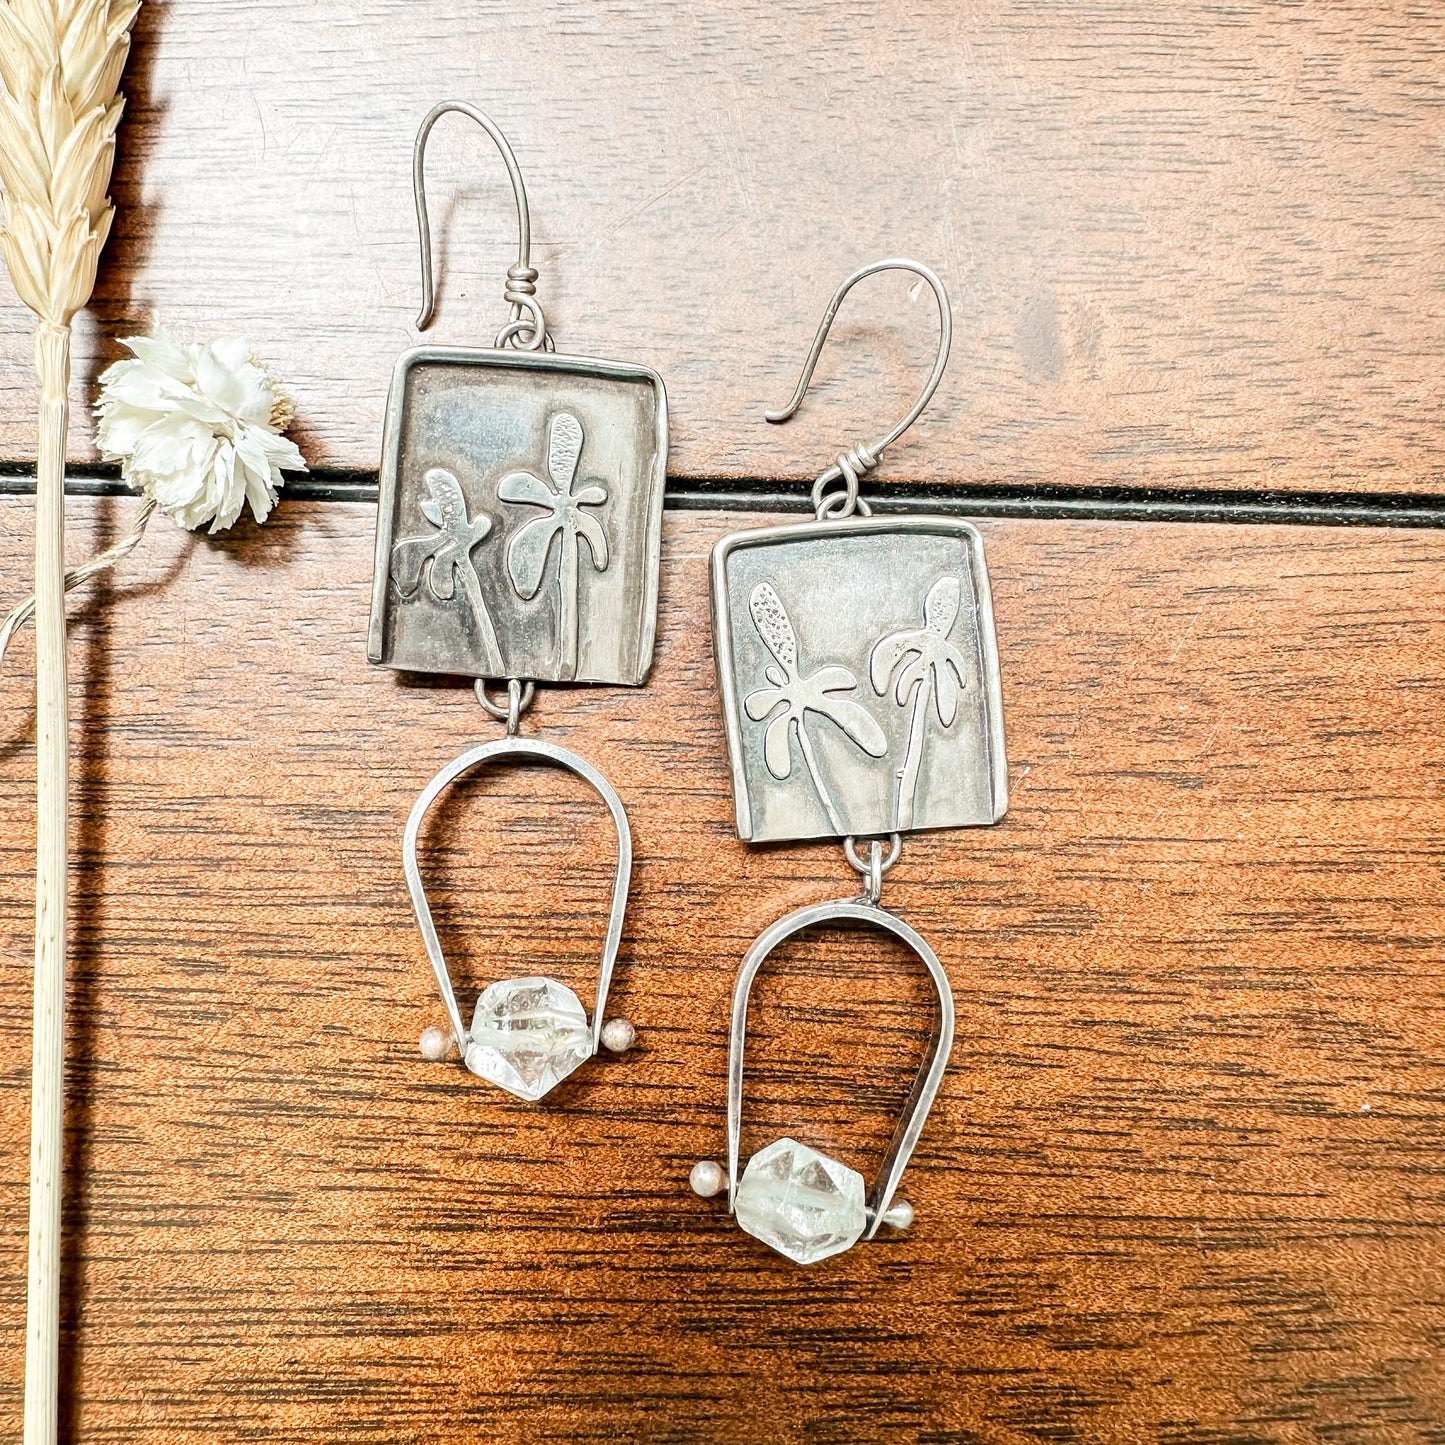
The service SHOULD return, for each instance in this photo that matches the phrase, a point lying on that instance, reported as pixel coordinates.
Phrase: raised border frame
(520, 361)
(799, 531)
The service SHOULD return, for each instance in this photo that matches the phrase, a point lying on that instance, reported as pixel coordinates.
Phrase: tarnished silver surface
(519, 522)
(504, 750)
(930, 1071)
(519, 519)
(859, 677)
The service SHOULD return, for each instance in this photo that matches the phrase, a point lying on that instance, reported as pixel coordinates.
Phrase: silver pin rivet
(900, 1215)
(435, 1044)
(618, 1036)
(707, 1178)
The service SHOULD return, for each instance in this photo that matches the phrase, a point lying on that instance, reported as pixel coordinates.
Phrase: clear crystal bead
(800, 1202)
(527, 1035)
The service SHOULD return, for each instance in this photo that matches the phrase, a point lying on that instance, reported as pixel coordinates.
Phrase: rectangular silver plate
(859, 677)
(519, 520)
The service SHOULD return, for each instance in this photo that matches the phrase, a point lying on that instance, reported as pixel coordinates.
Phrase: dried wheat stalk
(60, 65)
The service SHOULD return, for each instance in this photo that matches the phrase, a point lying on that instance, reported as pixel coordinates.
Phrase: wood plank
(1185, 1182)
(1186, 245)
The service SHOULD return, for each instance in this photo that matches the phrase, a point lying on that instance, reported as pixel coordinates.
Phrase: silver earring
(860, 689)
(518, 537)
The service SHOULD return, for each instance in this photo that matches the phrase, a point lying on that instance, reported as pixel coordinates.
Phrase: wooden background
(1185, 244)
(1186, 1180)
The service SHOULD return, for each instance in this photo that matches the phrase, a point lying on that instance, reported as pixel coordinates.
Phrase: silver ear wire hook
(861, 459)
(527, 327)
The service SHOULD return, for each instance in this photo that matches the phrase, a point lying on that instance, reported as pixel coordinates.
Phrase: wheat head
(60, 64)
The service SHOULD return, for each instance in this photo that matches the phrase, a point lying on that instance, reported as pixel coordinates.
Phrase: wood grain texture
(1186, 244)
(1186, 1179)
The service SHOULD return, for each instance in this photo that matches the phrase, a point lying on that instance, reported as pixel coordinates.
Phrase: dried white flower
(196, 428)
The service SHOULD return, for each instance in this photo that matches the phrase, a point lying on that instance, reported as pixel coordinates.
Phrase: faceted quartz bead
(527, 1035)
(800, 1202)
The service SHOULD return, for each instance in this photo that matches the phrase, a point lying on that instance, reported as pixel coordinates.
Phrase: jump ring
(519, 699)
(895, 846)
(874, 882)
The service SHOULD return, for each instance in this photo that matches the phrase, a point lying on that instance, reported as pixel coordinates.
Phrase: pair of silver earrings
(518, 542)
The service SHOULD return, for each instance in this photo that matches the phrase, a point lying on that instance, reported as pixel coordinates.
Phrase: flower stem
(42, 1317)
(491, 650)
(834, 821)
(907, 775)
(567, 583)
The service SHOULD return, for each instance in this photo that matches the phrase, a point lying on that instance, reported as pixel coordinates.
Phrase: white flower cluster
(197, 428)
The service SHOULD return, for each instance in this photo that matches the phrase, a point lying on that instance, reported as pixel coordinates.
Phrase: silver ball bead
(618, 1035)
(899, 1215)
(707, 1178)
(435, 1044)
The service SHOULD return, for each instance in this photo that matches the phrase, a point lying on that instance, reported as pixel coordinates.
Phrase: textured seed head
(773, 625)
(60, 66)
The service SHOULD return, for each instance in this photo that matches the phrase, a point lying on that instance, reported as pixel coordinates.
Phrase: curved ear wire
(930, 1071)
(521, 277)
(868, 455)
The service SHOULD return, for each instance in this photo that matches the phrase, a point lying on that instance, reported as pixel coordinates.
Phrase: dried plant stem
(60, 68)
(42, 1321)
(76, 576)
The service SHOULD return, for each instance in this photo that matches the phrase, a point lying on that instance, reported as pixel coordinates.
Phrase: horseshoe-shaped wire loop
(518, 748)
(930, 1072)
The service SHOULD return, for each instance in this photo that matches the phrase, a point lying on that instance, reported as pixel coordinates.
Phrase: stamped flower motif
(449, 549)
(196, 428)
(924, 668)
(528, 550)
(793, 695)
